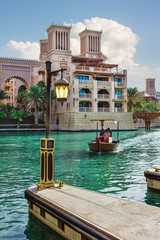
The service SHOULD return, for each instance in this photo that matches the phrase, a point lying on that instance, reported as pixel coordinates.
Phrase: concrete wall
(81, 121)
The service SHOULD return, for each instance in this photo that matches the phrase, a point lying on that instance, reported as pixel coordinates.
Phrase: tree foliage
(0, 77)
(134, 100)
(151, 107)
(18, 115)
(3, 95)
(138, 104)
(34, 98)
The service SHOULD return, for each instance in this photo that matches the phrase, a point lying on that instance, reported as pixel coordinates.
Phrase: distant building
(18, 75)
(150, 92)
(94, 86)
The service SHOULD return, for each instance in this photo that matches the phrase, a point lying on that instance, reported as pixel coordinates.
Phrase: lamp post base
(47, 162)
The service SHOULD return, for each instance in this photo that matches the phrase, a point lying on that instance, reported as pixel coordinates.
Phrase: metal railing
(100, 69)
(118, 84)
(104, 83)
(100, 109)
(85, 95)
(85, 82)
(103, 96)
(119, 109)
(85, 109)
(119, 97)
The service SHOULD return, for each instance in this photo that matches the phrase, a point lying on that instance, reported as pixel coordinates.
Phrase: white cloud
(118, 44)
(118, 41)
(25, 50)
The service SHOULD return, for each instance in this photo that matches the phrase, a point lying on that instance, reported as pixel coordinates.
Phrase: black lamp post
(61, 86)
(48, 144)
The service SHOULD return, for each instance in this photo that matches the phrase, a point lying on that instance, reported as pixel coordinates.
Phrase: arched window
(21, 89)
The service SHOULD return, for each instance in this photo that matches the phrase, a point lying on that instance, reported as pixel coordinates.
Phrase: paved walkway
(125, 219)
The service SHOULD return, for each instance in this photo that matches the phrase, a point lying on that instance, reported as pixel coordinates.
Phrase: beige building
(94, 86)
(151, 89)
(96, 89)
(18, 75)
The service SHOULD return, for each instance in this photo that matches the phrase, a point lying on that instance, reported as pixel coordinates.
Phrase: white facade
(94, 86)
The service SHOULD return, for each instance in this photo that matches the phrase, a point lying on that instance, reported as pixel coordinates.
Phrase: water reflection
(152, 197)
(35, 230)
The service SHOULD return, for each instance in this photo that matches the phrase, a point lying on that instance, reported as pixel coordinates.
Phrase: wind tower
(90, 43)
(150, 86)
(57, 47)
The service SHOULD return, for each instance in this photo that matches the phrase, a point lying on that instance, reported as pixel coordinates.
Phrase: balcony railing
(85, 95)
(82, 68)
(101, 109)
(85, 82)
(99, 69)
(121, 85)
(103, 96)
(119, 97)
(85, 109)
(106, 70)
(119, 109)
(103, 83)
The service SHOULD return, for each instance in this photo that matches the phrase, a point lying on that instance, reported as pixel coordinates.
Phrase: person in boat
(102, 132)
(107, 133)
(110, 132)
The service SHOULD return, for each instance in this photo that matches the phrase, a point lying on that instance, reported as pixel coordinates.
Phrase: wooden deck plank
(125, 219)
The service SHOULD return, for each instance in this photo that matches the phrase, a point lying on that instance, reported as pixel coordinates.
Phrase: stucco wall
(81, 121)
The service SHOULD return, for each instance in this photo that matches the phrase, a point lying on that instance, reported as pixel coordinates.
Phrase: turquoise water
(119, 174)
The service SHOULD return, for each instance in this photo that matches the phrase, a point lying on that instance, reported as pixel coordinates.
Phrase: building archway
(103, 106)
(85, 93)
(103, 91)
(85, 106)
(11, 87)
(103, 94)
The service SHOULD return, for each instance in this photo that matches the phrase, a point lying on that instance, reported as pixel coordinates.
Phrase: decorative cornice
(19, 59)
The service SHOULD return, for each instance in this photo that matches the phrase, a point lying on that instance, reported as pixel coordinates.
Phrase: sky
(130, 31)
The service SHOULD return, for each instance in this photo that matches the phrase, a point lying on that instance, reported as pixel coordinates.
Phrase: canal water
(119, 174)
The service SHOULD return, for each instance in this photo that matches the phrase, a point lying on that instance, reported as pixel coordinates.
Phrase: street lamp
(62, 87)
(48, 144)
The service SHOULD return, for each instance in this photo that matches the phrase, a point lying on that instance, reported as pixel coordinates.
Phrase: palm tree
(134, 100)
(35, 97)
(41, 85)
(3, 95)
(18, 115)
(21, 99)
(0, 77)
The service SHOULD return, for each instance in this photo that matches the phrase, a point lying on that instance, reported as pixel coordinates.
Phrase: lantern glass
(62, 87)
(62, 92)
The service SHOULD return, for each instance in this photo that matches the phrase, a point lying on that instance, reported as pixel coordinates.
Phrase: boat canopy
(105, 121)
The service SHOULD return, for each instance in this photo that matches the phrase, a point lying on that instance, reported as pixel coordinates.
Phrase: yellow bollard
(60, 183)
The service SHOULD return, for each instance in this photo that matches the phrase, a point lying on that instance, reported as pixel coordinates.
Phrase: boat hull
(152, 178)
(103, 147)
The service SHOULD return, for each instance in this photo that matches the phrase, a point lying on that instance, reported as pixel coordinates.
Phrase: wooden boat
(102, 144)
(153, 177)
